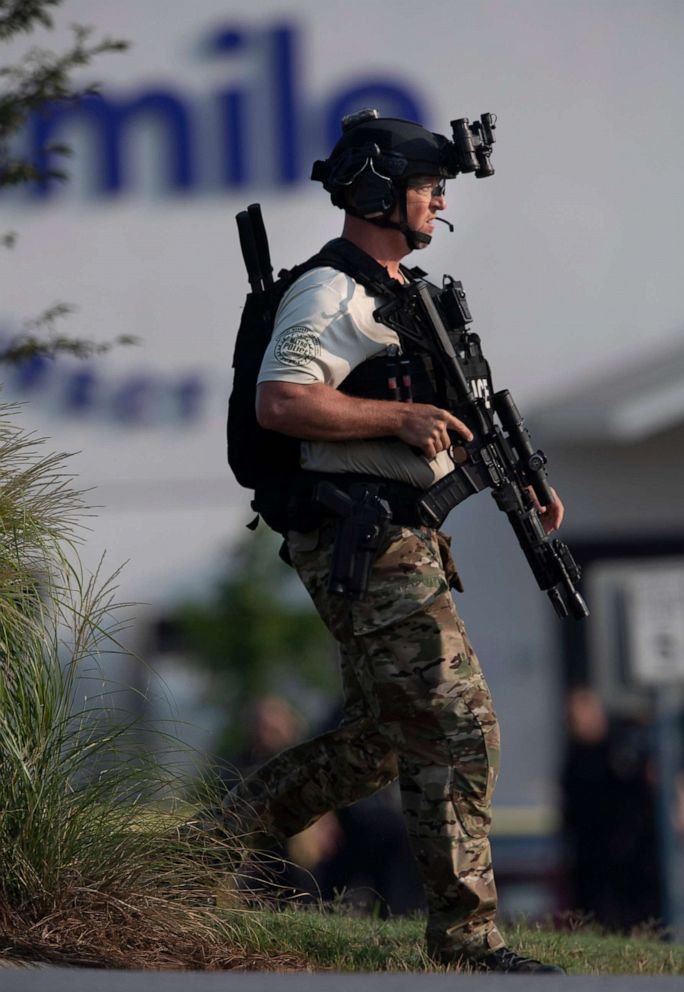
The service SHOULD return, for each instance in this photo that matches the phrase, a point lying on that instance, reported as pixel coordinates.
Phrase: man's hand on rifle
(318, 412)
(552, 515)
(427, 427)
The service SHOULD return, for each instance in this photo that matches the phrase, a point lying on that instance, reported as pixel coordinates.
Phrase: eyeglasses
(428, 187)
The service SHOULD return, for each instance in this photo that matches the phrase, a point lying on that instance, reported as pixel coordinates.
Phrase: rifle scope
(532, 461)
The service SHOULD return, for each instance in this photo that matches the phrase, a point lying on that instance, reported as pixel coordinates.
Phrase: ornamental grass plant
(93, 870)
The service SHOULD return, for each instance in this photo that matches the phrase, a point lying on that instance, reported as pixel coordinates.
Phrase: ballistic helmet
(367, 171)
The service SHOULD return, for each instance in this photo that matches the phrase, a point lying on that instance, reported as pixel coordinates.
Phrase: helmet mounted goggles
(367, 171)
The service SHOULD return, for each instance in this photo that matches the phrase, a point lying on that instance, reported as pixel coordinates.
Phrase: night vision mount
(472, 144)
(469, 150)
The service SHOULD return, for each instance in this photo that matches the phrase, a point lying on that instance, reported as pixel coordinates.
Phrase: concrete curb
(53, 979)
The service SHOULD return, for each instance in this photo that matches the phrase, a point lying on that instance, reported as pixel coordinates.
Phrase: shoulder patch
(298, 345)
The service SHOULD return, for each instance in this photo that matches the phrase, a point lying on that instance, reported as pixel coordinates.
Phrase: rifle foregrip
(553, 567)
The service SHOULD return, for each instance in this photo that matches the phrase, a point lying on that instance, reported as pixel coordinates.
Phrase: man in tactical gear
(416, 703)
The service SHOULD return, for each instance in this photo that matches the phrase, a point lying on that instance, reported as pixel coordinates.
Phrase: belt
(410, 506)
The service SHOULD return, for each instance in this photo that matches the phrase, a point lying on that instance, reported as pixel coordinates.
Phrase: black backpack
(255, 454)
(262, 460)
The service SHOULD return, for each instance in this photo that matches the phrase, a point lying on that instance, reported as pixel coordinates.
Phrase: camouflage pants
(416, 706)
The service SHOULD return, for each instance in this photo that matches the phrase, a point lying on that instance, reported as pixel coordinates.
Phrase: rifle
(500, 456)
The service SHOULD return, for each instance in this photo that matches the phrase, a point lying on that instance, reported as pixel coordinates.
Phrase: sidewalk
(51, 979)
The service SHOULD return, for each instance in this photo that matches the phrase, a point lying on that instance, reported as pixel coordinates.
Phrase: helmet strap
(414, 239)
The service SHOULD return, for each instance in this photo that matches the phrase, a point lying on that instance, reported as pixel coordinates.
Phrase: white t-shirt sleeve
(323, 329)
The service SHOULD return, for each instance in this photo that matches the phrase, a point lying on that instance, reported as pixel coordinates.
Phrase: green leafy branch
(41, 78)
(28, 344)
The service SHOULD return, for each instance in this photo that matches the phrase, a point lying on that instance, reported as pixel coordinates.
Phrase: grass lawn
(341, 942)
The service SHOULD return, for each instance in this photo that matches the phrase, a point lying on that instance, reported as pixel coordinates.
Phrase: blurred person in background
(372, 867)
(293, 867)
(360, 854)
(272, 725)
(609, 815)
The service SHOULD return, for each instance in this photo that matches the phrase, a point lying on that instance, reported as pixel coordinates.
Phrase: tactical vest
(268, 461)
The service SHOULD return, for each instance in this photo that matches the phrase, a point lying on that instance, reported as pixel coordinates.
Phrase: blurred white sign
(655, 624)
